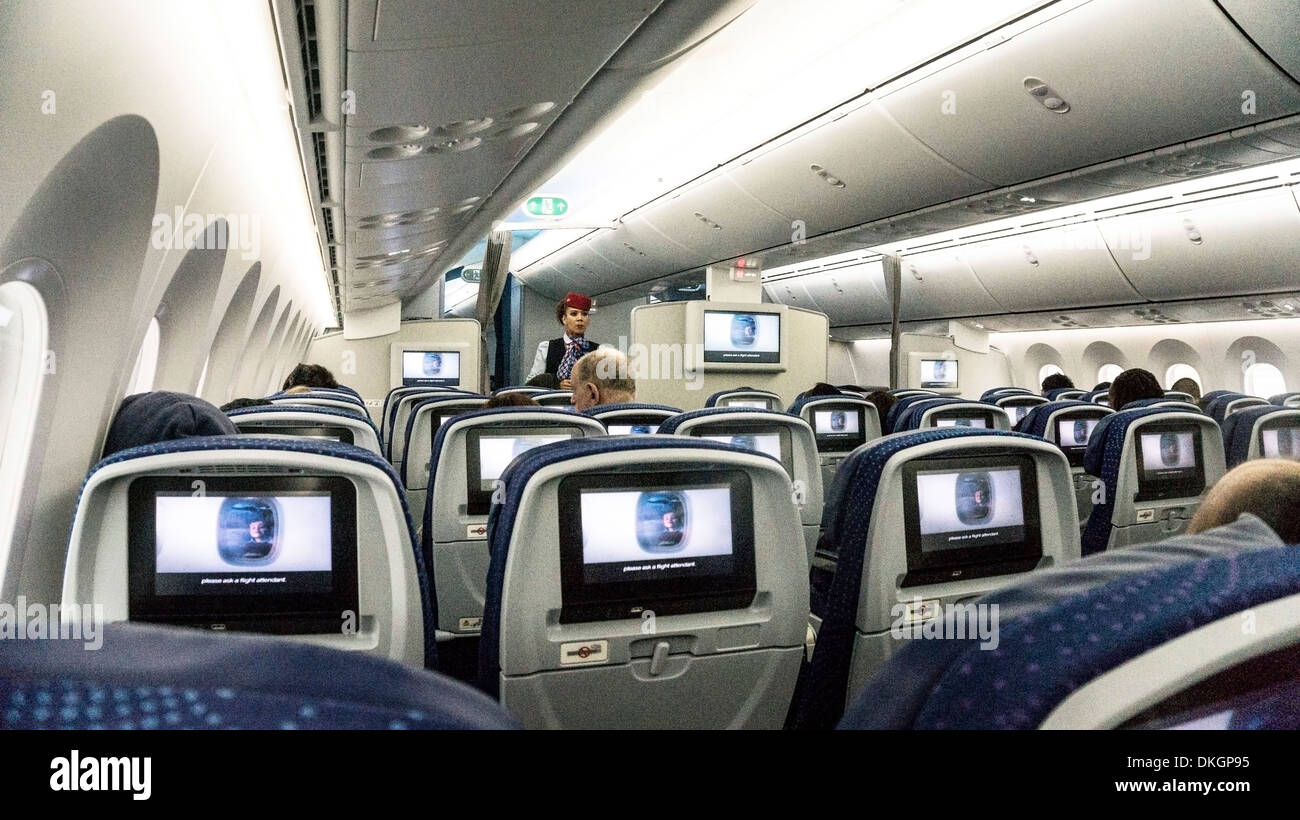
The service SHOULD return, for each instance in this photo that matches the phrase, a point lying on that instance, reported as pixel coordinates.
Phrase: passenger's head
(512, 399)
(1056, 381)
(310, 375)
(1268, 488)
(883, 401)
(822, 389)
(572, 313)
(151, 418)
(1132, 385)
(240, 404)
(601, 377)
(548, 380)
(1188, 386)
(1101, 386)
(296, 389)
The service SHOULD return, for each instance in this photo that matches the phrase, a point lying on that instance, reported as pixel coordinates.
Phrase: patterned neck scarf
(571, 356)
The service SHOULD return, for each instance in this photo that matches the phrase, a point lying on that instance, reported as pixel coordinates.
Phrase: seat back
(1068, 425)
(839, 424)
(1285, 399)
(904, 392)
(472, 449)
(998, 392)
(1226, 407)
(1155, 464)
(567, 643)
(319, 530)
(952, 413)
(1178, 395)
(422, 423)
(399, 412)
(144, 676)
(1017, 405)
(1261, 432)
(745, 397)
(307, 421)
(1078, 655)
(896, 520)
(1066, 394)
(555, 398)
(632, 418)
(527, 390)
(787, 438)
(1174, 404)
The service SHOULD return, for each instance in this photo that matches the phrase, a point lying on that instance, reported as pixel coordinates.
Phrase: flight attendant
(558, 356)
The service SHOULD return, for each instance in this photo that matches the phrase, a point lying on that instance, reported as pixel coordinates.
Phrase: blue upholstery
(911, 418)
(1102, 459)
(153, 677)
(302, 408)
(670, 425)
(426, 535)
(429, 402)
(1239, 429)
(999, 392)
(890, 421)
(602, 409)
(1093, 395)
(1035, 421)
(320, 447)
(1138, 404)
(501, 521)
(1281, 398)
(1217, 408)
(330, 395)
(712, 401)
(1058, 394)
(846, 522)
(391, 409)
(1061, 627)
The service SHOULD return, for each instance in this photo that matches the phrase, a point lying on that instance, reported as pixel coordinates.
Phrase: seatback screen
(272, 430)
(489, 450)
(1281, 441)
(963, 418)
(838, 427)
(774, 441)
(1170, 462)
(761, 404)
(1072, 436)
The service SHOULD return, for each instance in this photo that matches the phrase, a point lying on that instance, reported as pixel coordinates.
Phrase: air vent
(1154, 316)
(322, 172)
(310, 58)
(327, 220)
(1010, 205)
(1187, 165)
(1066, 321)
(1270, 309)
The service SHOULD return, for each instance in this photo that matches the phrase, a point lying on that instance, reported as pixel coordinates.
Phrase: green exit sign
(472, 274)
(546, 206)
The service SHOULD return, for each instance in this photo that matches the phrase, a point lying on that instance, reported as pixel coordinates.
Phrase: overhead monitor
(1170, 462)
(662, 542)
(939, 374)
(732, 337)
(434, 368)
(490, 449)
(970, 517)
(264, 554)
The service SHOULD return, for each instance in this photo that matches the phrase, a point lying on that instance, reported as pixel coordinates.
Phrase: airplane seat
(787, 438)
(898, 505)
(307, 421)
(745, 397)
(1176, 404)
(384, 416)
(555, 398)
(1016, 405)
(1224, 406)
(1077, 657)
(952, 412)
(899, 407)
(1261, 432)
(1178, 395)
(399, 410)
(1206, 398)
(426, 416)
(1099, 397)
(1065, 394)
(338, 401)
(711, 635)
(1285, 399)
(998, 392)
(907, 392)
(1068, 425)
(632, 417)
(470, 452)
(1155, 464)
(527, 390)
(316, 535)
(146, 676)
(839, 424)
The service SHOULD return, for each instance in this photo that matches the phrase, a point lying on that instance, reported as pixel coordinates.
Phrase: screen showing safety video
(430, 367)
(845, 423)
(639, 535)
(769, 443)
(1281, 442)
(941, 373)
(631, 429)
(1016, 412)
(226, 544)
(1074, 432)
(1167, 455)
(496, 452)
(759, 403)
(962, 421)
(753, 338)
(964, 509)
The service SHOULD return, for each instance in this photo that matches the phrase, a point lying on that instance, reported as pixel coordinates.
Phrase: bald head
(601, 377)
(1268, 488)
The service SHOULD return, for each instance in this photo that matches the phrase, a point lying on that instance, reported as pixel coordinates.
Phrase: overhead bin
(718, 220)
(790, 292)
(1050, 270)
(1235, 245)
(1127, 70)
(884, 171)
(1258, 18)
(939, 284)
(640, 252)
(852, 294)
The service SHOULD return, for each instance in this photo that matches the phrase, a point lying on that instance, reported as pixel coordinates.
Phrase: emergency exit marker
(546, 206)
(472, 274)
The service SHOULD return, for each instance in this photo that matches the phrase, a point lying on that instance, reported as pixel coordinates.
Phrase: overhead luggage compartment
(939, 284)
(853, 294)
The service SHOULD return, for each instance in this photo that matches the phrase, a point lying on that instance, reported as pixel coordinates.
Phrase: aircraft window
(24, 336)
(1108, 372)
(1048, 370)
(1264, 380)
(1182, 371)
(146, 361)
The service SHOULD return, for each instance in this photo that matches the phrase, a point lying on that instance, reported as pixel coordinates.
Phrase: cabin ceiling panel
(938, 284)
(718, 220)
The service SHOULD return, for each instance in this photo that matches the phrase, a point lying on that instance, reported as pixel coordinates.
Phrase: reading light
(1049, 99)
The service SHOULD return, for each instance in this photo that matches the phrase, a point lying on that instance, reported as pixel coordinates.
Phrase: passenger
(150, 418)
(240, 404)
(310, 375)
(1101, 386)
(1188, 386)
(297, 388)
(514, 399)
(1268, 488)
(547, 380)
(600, 378)
(820, 389)
(559, 356)
(1133, 385)
(1056, 381)
(883, 401)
